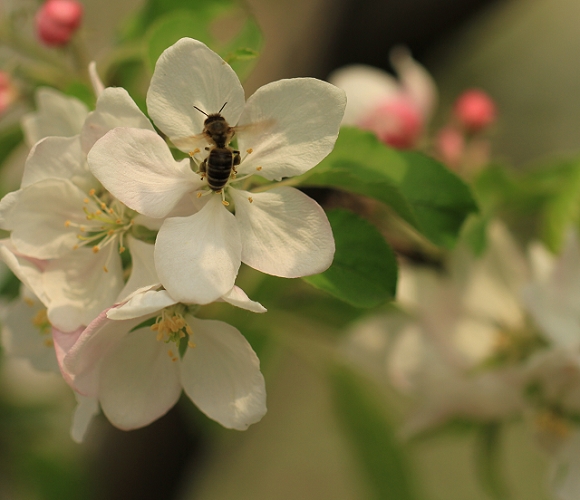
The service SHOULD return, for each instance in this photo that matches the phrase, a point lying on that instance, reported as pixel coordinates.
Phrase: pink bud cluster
(57, 21)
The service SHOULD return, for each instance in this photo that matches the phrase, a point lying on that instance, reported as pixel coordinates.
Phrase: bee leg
(202, 168)
(236, 162)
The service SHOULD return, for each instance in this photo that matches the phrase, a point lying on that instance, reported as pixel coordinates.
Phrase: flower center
(171, 326)
(106, 224)
(40, 321)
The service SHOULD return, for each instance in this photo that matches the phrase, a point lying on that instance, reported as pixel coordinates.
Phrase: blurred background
(524, 54)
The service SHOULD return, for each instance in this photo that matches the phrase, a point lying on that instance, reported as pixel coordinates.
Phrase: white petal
(415, 80)
(142, 304)
(26, 269)
(63, 343)
(237, 297)
(23, 339)
(79, 288)
(189, 74)
(284, 232)
(365, 87)
(96, 82)
(60, 158)
(86, 409)
(300, 118)
(58, 114)
(143, 271)
(139, 381)
(115, 108)
(198, 257)
(41, 213)
(7, 205)
(137, 167)
(221, 375)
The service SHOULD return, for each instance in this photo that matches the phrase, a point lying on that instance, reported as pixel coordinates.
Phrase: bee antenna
(223, 107)
(201, 111)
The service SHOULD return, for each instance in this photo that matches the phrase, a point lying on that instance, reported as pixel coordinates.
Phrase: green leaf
(364, 270)
(224, 27)
(419, 189)
(372, 437)
(10, 138)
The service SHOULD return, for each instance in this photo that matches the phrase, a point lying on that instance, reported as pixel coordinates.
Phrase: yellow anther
(199, 193)
(258, 168)
(48, 342)
(194, 152)
(75, 247)
(225, 203)
(28, 302)
(40, 318)
(96, 249)
(67, 223)
(92, 192)
(82, 229)
(98, 212)
(111, 232)
(249, 151)
(191, 344)
(105, 269)
(118, 221)
(122, 249)
(250, 199)
(110, 211)
(86, 200)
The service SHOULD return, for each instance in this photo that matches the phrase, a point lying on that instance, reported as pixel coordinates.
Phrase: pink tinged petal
(115, 108)
(57, 115)
(87, 408)
(221, 375)
(365, 86)
(139, 380)
(189, 74)
(291, 126)
(198, 257)
(416, 81)
(81, 361)
(142, 304)
(79, 288)
(41, 213)
(137, 167)
(237, 297)
(26, 269)
(143, 271)
(60, 158)
(63, 343)
(284, 232)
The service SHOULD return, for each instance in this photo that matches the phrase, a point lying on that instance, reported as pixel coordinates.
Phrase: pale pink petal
(137, 167)
(221, 375)
(198, 257)
(139, 380)
(290, 125)
(284, 232)
(87, 408)
(189, 74)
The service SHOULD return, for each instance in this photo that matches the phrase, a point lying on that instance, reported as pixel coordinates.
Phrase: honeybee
(222, 160)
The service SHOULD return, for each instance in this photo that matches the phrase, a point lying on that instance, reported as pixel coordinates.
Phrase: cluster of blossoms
(118, 243)
(491, 339)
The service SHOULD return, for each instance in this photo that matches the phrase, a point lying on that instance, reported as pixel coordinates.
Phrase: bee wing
(261, 126)
(191, 142)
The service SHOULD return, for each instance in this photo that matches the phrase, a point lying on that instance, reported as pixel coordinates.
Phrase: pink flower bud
(397, 122)
(57, 21)
(475, 110)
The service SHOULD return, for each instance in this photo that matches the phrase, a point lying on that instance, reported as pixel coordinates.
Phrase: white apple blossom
(137, 372)
(397, 111)
(283, 130)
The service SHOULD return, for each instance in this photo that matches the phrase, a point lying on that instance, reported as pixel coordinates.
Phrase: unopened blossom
(474, 110)
(8, 92)
(396, 110)
(283, 130)
(57, 21)
(137, 372)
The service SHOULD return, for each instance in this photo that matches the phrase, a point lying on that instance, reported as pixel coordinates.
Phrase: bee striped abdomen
(219, 166)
